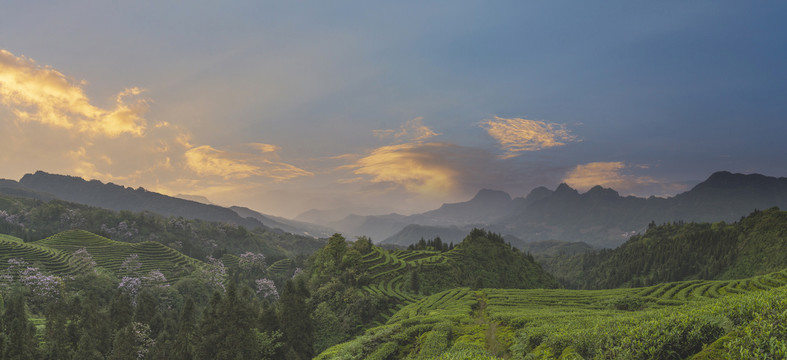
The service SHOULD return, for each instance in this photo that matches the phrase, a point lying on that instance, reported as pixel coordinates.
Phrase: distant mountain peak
(726, 180)
(599, 191)
(563, 188)
(538, 193)
(488, 195)
(197, 198)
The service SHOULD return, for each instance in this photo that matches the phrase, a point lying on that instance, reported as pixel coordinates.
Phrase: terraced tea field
(671, 320)
(387, 270)
(48, 259)
(110, 254)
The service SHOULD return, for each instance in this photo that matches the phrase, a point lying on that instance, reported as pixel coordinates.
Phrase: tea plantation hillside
(49, 259)
(682, 251)
(32, 220)
(709, 319)
(110, 254)
(367, 284)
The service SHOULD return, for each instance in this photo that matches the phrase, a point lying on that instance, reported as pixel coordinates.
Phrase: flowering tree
(155, 278)
(42, 287)
(141, 333)
(215, 272)
(132, 286)
(131, 264)
(133, 339)
(266, 288)
(252, 262)
(82, 259)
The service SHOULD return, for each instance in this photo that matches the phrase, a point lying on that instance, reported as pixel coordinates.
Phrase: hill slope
(673, 320)
(116, 197)
(110, 254)
(683, 251)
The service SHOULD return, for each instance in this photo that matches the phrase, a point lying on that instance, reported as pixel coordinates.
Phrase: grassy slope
(668, 320)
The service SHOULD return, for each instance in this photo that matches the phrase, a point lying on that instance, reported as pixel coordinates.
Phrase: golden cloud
(517, 134)
(411, 130)
(606, 174)
(208, 161)
(264, 148)
(417, 167)
(44, 95)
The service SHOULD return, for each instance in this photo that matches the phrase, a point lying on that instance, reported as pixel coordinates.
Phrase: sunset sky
(374, 107)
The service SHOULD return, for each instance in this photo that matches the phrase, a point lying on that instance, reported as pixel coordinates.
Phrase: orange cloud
(208, 161)
(517, 134)
(411, 130)
(264, 148)
(417, 167)
(607, 174)
(44, 95)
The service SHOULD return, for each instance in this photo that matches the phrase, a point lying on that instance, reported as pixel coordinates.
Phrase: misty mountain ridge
(600, 217)
(45, 186)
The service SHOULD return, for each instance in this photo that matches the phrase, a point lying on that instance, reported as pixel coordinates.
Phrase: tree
(326, 324)
(295, 319)
(56, 339)
(20, 332)
(183, 348)
(121, 311)
(227, 331)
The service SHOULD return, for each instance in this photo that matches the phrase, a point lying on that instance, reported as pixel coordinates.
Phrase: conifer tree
(295, 318)
(21, 343)
(182, 349)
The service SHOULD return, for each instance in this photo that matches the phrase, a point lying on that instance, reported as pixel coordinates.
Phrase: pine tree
(295, 318)
(121, 310)
(21, 343)
(182, 348)
(58, 343)
(124, 346)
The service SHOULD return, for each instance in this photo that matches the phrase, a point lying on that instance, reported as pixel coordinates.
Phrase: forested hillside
(79, 282)
(89, 296)
(32, 220)
(682, 251)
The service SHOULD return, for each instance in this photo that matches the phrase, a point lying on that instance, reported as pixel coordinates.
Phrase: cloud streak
(617, 175)
(412, 130)
(41, 94)
(517, 135)
(208, 161)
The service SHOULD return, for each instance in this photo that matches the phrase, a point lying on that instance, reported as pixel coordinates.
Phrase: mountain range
(600, 217)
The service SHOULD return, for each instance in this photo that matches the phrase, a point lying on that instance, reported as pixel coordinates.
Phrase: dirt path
(492, 344)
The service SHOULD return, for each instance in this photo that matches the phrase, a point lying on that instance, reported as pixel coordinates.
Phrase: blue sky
(392, 106)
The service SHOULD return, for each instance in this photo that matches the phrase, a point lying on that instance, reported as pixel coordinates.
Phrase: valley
(191, 288)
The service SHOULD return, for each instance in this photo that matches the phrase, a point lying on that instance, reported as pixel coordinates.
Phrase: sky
(376, 107)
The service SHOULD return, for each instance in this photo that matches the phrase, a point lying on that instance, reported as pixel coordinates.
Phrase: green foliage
(32, 220)
(20, 341)
(681, 251)
(673, 320)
